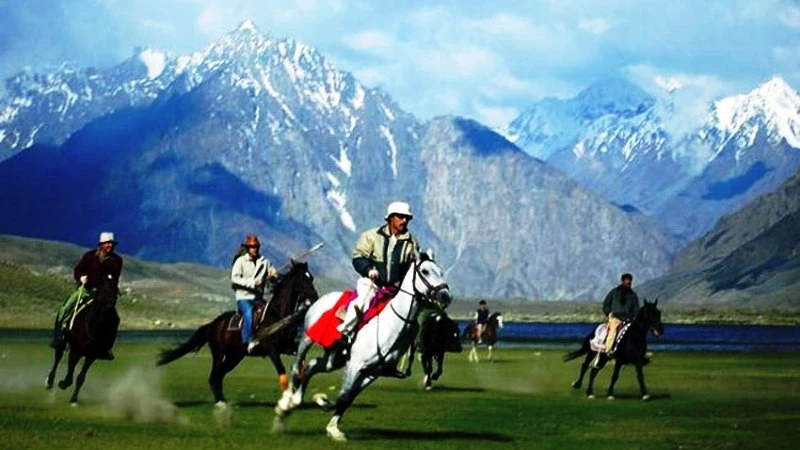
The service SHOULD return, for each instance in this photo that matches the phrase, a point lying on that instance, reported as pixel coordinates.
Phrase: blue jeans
(246, 310)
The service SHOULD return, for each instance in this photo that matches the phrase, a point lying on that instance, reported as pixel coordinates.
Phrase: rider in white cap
(382, 256)
(94, 266)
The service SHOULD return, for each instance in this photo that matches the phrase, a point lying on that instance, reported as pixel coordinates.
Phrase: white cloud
(596, 25)
(669, 84)
(371, 41)
(158, 26)
(790, 16)
(496, 117)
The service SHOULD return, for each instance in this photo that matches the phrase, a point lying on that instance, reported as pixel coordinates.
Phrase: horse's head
(650, 315)
(106, 291)
(428, 280)
(447, 333)
(497, 318)
(295, 286)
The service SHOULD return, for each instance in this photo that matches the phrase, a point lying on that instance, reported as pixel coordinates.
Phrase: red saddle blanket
(324, 331)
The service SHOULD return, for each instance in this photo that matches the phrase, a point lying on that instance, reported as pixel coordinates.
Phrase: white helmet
(106, 236)
(400, 208)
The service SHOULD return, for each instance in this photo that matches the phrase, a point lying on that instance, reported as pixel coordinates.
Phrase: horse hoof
(590, 396)
(220, 405)
(428, 388)
(322, 400)
(610, 397)
(73, 404)
(63, 385)
(336, 434)
(645, 397)
(575, 385)
(277, 425)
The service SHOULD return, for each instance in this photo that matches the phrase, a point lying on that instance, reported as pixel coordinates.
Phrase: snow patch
(343, 162)
(339, 201)
(358, 98)
(333, 180)
(387, 134)
(155, 62)
(387, 112)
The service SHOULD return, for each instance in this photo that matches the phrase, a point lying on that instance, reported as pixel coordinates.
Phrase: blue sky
(485, 60)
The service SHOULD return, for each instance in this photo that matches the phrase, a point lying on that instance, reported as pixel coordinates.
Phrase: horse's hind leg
(593, 375)
(352, 386)
(642, 387)
(72, 361)
(614, 378)
(584, 367)
(87, 363)
(283, 380)
(222, 365)
(51, 376)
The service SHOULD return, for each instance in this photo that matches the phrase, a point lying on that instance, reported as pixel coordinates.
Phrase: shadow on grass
(257, 404)
(384, 433)
(437, 387)
(653, 397)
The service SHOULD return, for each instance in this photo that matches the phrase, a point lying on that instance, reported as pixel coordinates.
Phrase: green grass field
(522, 400)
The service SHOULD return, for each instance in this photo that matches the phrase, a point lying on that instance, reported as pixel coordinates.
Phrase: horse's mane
(495, 315)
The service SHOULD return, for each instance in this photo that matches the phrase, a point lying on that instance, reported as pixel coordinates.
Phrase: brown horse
(294, 289)
(91, 333)
(489, 335)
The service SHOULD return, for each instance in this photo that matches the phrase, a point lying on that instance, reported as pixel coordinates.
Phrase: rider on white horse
(382, 256)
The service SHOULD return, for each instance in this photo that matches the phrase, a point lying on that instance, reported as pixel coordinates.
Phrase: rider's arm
(80, 268)
(238, 278)
(362, 255)
(634, 308)
(607, 303)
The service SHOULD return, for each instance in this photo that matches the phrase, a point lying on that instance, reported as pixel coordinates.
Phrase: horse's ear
(422, 257)
(645, 301)
(431, 254)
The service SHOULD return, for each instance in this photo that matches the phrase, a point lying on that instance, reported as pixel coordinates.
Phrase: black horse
(227, 350)
(439, 335)
(90, 334)
(632, 349)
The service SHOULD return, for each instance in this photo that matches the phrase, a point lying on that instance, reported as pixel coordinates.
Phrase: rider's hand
(259, 281)
(610, 315)
(84, 279)
(373, 275)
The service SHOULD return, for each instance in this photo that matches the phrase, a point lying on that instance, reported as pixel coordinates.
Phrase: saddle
(259, 312)
(598, 344)
(324, 331)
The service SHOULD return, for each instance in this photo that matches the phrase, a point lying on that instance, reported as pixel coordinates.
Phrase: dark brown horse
(91, 333)
(294, 289)
(489, 335)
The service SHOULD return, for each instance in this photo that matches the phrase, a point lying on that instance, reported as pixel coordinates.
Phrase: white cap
(106, 236)
(400, 208)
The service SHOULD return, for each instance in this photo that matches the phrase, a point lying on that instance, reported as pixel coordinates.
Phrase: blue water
(547, 335)
(675, 337)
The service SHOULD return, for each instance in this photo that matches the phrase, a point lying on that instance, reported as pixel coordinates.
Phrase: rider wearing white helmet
(382, 257)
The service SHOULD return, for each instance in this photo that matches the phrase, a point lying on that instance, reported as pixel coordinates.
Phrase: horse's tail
(579, 352)
(195, 343)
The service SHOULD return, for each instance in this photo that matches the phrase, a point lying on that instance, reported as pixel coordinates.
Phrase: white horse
(377, 348)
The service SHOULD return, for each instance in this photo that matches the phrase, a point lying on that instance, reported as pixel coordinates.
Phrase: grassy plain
(521, 400)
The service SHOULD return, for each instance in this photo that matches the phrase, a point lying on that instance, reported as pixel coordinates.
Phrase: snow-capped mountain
(746, 146)
(261, 134)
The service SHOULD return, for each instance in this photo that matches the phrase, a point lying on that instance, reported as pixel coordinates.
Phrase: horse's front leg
(473, 354)
(72, 361)
(614, 378)
(439, 362)
(642, 387)
(491, 347)
(427, 368)
(51, 376)
(87, 363)
(411, 351)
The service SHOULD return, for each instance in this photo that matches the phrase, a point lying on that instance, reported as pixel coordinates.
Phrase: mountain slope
(751, 257)
(686, 177)
(264, 135)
